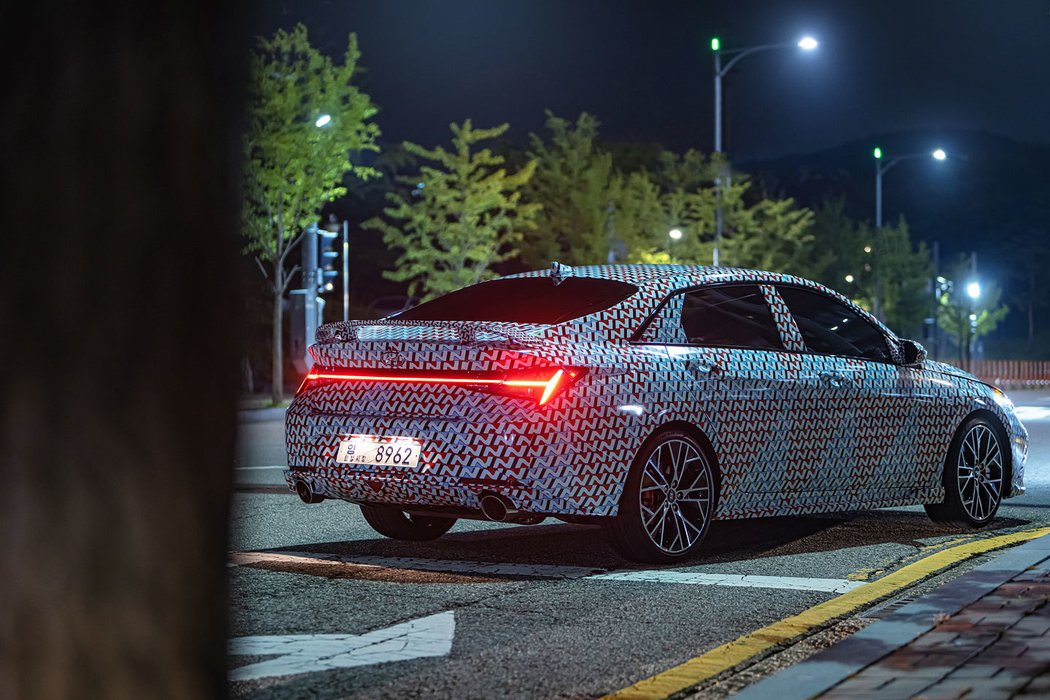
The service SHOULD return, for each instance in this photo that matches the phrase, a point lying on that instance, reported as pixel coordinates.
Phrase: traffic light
(327, 257)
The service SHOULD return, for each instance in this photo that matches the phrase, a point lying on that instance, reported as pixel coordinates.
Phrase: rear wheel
(973, 476)
(395, 523)
(668, 501)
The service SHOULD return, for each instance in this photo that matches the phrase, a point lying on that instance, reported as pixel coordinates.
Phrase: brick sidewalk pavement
(981, 636)
(996, 647)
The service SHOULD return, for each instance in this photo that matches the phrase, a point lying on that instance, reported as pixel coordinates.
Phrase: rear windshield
(524, 300)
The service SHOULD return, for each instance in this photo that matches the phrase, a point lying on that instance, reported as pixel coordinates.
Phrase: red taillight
(540, 384)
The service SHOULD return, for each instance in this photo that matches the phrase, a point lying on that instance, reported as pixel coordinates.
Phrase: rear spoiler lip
(467, 331)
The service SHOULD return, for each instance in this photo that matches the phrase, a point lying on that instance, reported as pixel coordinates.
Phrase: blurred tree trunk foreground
(119, 361)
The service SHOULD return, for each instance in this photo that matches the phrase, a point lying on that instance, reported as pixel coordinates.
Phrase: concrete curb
(831, 666)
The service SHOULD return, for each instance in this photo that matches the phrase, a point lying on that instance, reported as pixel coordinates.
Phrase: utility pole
(346, 270)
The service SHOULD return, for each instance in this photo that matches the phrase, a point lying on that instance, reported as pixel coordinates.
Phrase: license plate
(392, 451)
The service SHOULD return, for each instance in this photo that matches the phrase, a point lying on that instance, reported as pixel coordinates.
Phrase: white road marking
(442, 565)
(309, 653)
(1032, 413)
(826, 585)
(788, 583)
(241, 469)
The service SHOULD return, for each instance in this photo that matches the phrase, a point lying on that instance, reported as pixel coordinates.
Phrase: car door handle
(703, 367)
(835, 379)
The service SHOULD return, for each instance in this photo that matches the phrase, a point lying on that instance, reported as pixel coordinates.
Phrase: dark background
(970, 77)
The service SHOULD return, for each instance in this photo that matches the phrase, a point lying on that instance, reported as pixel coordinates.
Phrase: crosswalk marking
(787, 583)
(549, 571)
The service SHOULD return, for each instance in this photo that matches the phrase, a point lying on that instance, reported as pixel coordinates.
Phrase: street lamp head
(939, 154)
(323, 120)
(675, 234)
(715, 44)
(849, 278)
(877, 153)
(807, 43)
(973, 290)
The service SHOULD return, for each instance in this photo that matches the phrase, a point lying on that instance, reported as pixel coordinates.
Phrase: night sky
(645, 69)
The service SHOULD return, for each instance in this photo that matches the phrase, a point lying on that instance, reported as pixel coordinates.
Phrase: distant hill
(991, 190)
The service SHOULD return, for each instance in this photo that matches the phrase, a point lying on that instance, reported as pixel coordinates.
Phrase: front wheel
(668, 501)
(395, 523)
(973, 476)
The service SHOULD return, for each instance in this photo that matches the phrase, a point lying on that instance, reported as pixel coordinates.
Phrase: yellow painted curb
(724, 657)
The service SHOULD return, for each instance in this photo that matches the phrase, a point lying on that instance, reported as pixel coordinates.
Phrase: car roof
(675, 276)
(658, 280)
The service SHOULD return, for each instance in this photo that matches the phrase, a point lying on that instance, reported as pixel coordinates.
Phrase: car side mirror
(914, 353)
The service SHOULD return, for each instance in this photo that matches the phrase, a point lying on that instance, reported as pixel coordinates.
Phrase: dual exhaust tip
(500, 509)
(494, 506)
(305, 493)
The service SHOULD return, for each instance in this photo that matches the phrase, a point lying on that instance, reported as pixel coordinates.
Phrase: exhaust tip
(306, 494)
(497, 508)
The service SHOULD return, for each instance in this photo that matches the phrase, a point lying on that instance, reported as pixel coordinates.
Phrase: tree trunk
(277, 373)
(119, 361)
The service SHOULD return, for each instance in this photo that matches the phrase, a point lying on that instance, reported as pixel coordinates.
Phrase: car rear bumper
(533, 461)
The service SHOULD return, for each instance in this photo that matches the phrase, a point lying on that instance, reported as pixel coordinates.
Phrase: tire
(668, 501)
(392, 522)
(974, 476)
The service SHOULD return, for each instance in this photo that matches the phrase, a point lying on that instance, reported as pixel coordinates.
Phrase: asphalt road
(323, 607)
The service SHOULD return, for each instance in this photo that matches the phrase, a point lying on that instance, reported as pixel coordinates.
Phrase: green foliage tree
(1028, 263)
(292, 165)
(601, 205)
(462, 215)
(758, 232)
(881, 270)
(965, 318)
(576, 185)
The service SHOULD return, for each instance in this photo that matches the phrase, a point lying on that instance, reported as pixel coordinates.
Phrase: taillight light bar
(541, 384)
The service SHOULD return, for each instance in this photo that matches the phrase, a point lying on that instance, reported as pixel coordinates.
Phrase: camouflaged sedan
(648, 398)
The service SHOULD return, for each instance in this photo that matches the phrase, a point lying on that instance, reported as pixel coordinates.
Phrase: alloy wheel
(675, 495)
(980, 472)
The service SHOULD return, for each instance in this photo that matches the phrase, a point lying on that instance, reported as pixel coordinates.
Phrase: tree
(964, 317)
(305, 118)
(575, 183)
(881, 270)
(759, 232)
(1028, 263)
(116, 466)
(462, 216)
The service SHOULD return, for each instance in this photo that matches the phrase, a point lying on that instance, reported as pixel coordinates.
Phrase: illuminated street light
(849, 278)
(880, 170)
(973, 290)
(675, 234)
(806, 43)
(323, 120)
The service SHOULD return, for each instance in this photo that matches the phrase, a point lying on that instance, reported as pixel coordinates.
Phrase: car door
(861, 396)
(728, 349)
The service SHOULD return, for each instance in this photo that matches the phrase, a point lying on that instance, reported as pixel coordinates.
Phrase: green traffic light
(715, 44)
(878, 152)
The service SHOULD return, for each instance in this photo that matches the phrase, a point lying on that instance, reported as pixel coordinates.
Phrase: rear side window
(829, 327)
(734, 316)
(524, 300)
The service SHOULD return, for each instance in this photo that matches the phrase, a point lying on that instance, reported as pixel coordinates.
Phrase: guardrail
(1016, 374)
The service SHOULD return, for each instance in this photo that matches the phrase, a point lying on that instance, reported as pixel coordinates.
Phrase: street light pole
(881, 169)
(346, 271)
(724, 179)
